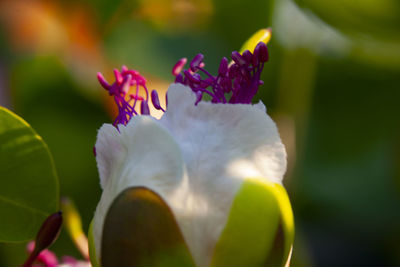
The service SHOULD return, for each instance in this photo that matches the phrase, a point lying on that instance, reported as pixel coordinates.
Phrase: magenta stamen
(237, 57)
(118, 76)
(126, 85)
(223, 67)
(247, 56)
(137, 94)
(239, 80)
(155, 100)
(179, 66)
(126, 102)
(196, 61)
(263, 52)
(144, 108)
(102, 81)
(199, 96)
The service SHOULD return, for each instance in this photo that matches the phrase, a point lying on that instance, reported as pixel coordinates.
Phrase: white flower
(195, 158)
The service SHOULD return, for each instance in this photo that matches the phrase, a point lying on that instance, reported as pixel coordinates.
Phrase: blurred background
(332, 85)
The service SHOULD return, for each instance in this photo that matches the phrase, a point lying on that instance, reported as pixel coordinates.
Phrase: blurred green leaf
(147, 50)
(378, 18)
(236, 20)
(346, 180)
(28, 183)
(67, 120)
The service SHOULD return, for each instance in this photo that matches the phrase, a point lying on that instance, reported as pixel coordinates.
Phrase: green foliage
(28, 182)
(380, 18)
(57, 109)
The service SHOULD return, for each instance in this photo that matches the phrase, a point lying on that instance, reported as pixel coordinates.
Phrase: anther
(144, 108)
(179, 66)
(196, 61)
(155, 100)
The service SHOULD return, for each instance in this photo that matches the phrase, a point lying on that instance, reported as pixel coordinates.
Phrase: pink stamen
(238, 81)
(179, 66)
(125, 101)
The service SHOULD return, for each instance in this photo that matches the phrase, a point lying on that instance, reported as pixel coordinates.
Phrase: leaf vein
(10, 201)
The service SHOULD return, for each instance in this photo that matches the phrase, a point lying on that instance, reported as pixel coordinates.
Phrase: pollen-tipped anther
(126, 85)
(179, 66)
(262, 52)
(125, 98)
(223, 67)
(239, 80)
(102, 80)
(247, 55)
(237, 57)
(118, 76)
(196, 61)
(144, 108)
(155, 100)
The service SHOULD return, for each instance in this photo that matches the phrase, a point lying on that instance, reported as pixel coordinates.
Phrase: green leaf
(378, 18)
(140, 230)
(29, 188)
(260, 227)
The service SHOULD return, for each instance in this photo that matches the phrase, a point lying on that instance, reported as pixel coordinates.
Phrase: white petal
(142, 154)
(109, 150)
(221, 145)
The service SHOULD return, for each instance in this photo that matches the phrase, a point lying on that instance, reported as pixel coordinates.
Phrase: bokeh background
(332, 85)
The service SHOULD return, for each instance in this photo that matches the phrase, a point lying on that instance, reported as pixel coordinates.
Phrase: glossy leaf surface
(28, 183)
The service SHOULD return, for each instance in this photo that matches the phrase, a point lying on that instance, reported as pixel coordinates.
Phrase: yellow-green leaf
(259, 230)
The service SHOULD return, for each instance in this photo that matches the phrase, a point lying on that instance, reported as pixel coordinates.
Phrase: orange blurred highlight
(32, 25)
(45, 27)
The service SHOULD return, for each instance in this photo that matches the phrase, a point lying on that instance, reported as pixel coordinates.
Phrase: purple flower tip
(46, 236)
(49, 231)
(239, 80)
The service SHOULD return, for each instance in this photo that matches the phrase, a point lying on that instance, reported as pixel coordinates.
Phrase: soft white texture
(142, 154)
(195, 157)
